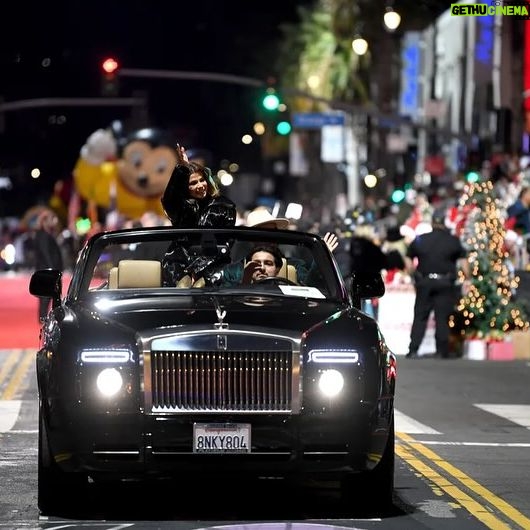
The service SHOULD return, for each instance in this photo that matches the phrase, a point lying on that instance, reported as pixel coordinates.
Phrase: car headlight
(110, 355)
(334, 356)
(109, 382)
(331, 382)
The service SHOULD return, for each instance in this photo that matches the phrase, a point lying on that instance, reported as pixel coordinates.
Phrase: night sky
(73, 37)
(55, 48)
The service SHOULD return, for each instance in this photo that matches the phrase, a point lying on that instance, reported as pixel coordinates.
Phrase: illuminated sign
(410, 74)
(485, 39)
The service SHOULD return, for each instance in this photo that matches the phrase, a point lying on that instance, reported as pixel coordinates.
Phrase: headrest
(139, 274)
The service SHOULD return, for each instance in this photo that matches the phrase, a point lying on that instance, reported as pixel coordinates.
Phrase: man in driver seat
(264, 261)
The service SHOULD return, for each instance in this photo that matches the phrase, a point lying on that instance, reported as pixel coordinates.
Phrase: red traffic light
(110, 65)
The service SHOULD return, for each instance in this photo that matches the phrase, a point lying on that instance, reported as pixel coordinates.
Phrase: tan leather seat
(113, 278)
(288, 271)
(133, 274)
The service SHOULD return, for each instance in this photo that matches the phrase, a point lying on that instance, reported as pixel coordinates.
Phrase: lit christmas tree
(486, 310)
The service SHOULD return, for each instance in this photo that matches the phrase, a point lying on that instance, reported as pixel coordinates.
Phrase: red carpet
(19, 311)
(19, 317)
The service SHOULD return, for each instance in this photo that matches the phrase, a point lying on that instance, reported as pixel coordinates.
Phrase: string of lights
(486, 309)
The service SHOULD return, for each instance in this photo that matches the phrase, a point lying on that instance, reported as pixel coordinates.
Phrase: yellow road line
(501, 505)
(472, 506)
(10, 361)
(18, 376)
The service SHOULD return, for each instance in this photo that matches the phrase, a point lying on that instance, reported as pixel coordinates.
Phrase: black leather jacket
(210, 212)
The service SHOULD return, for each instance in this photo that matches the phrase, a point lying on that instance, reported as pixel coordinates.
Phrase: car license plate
(221, 438)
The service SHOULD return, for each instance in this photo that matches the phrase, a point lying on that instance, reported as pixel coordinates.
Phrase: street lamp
(313, 81)
(370, 180)
(359, 45)
(392, 19)
(259, 128)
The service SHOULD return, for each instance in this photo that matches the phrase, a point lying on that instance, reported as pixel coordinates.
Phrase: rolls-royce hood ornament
(221, 314)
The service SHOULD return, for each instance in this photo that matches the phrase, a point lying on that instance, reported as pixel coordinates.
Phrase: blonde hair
(367, 231)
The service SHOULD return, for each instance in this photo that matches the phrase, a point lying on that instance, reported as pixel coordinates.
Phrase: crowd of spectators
(377, 228)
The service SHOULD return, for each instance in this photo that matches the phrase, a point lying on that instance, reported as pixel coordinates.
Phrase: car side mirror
(47, 283)
(366, 285)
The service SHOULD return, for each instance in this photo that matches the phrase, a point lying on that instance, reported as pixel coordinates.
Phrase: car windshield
(275, 262)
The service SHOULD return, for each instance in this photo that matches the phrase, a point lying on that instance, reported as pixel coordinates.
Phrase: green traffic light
(283, 128)
(472, 176)
(83, 225)
(397, 196)
(271, 102)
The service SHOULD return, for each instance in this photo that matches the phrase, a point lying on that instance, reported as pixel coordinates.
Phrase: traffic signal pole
(9, 106)
(190, 76)
(388, 120)
(384, 120)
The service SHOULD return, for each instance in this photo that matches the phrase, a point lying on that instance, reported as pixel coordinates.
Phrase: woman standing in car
(192, 199)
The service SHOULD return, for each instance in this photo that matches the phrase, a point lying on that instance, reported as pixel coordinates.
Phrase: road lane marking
(406, 424)
(473, 444)
(18, 376)
(9, 411)
(8, 364)
(23, 431)
(295, 525)
(471, 505)
(519, 414)
(60, 525)
(482, 514)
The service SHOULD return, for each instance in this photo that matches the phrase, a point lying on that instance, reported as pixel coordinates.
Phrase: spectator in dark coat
(519, 213)
(366, 257)
(395, 249)
(47, 251)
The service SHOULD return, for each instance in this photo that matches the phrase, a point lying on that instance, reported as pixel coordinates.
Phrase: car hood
(142, 314)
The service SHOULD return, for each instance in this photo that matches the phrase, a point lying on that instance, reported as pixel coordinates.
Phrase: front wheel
(57, 490)
(375, 486)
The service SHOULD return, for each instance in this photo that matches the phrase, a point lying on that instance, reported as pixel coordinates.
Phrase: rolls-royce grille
(221, 381)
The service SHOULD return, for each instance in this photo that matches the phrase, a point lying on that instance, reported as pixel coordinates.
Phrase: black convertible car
(166, 357)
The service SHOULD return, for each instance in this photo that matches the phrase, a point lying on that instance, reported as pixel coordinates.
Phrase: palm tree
(316, 56)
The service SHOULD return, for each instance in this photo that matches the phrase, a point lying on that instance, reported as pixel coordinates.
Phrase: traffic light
(398, 195)
(283, 128)
(472, 176)
(109, 71)
(270, 100)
